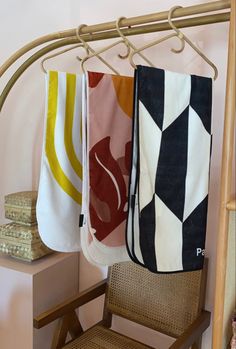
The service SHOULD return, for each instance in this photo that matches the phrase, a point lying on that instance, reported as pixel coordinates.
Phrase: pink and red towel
(107, 129)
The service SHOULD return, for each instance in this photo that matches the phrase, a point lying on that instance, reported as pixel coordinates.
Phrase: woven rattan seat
(168, 303)
(99, 337)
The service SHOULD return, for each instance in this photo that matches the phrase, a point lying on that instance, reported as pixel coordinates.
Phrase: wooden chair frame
(69, 322)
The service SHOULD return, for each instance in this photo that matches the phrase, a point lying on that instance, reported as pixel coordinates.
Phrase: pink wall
(22, 117)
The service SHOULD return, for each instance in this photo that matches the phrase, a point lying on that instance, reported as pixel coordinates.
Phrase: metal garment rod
(189, 22)
(134, 21)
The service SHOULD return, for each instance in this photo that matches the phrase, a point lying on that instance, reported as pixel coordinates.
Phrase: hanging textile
(107, 150)
(170, 170)
(59, 196)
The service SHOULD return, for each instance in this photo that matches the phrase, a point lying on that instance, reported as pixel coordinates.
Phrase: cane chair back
(167, 303)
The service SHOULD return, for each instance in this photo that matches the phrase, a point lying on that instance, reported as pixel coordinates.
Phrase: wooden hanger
(178, 33)
(128, 42)
(123, 40)
(84, 45)
(60, 53)
(191, 44)
(156, 42)
(93, 52)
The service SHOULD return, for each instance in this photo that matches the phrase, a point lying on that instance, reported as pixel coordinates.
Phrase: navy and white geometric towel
(168, 193)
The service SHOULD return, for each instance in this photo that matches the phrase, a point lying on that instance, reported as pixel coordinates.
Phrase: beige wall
(22, 117)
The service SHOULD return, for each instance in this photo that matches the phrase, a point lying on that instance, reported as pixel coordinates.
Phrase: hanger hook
(129, 45)
(180, 35)
(90, 49)
(85, 44)
(123, 37)
(78, 35)
(42, 65)
(184, 39)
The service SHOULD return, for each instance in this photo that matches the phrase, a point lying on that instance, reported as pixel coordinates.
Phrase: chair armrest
(70, 305)
(193, 332)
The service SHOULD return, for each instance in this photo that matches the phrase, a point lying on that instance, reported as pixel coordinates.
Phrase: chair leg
(197, 344)
(68, 324)
(60, 334)
(75, 328)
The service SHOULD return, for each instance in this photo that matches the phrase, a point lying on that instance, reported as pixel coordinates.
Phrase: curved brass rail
(139, 20)
(222, 17)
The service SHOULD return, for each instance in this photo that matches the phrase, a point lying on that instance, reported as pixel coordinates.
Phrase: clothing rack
(141, 25)
(130, 22)
(102, 31)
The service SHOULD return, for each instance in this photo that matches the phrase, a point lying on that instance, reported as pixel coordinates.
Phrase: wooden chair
(168, 303)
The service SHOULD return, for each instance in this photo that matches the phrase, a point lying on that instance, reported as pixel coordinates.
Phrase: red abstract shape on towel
(124, 161)
(108, 190)
(94, 79)
(128, 157)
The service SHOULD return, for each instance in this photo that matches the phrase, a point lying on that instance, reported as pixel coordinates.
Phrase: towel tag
(133, 201)
(81, 220)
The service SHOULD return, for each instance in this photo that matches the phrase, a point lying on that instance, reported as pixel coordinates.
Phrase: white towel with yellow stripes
(59, 195)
